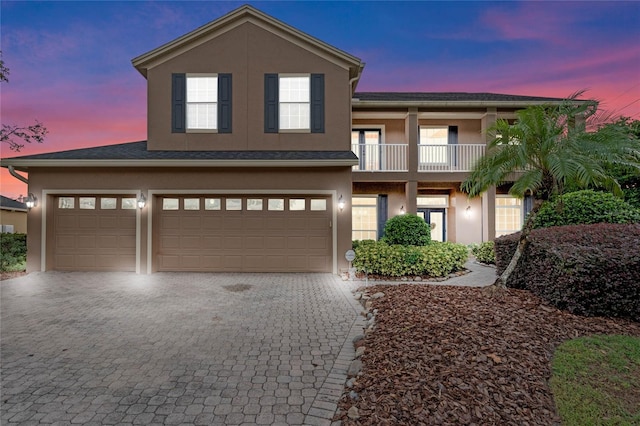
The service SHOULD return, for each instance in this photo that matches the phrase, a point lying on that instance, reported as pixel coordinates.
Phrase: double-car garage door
(244, 233)
(235, 233)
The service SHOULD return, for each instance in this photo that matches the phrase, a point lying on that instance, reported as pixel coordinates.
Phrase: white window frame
(374, 205)
(441, 154)
(214, 103)
(500, 232)
(305, 127)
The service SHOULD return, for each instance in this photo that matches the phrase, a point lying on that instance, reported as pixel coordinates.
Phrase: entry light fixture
(31, 201)
(142, 201)
(402, 209)
(467, 212)
(341, 203)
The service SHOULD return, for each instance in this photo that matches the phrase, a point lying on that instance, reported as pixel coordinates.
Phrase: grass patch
(596, 380)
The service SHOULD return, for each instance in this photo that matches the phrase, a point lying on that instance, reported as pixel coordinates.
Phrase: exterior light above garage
(402, 210)
(142, 201)
(31, 201)
(341, 203)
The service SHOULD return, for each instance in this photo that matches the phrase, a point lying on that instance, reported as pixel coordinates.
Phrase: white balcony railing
(386, 157)
(448, 158)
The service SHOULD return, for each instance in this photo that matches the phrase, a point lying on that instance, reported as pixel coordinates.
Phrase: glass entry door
(436, 219)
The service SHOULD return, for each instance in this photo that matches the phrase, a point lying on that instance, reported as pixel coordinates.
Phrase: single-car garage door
(244, 233)
(94, 233)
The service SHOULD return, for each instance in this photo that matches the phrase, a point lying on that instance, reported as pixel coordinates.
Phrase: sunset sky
(70, 62)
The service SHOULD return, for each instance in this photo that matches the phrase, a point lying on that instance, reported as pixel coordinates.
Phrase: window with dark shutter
(178, 103)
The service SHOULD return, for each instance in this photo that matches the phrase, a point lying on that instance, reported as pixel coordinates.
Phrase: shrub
(585, 207)
(435, 260)
(484, 252)
(357, 243)
(407, 230)
(13, 252)
(585, 269)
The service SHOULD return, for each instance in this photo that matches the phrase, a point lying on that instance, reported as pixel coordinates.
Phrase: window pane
(170, 204)
(294, 89)
(276, 204)
(192, 203)
(508, 215)
(66, 202)
(318, 205)
(433, 201)
(297, 204)
(234, 204)
(254, 204)
(202, 89)
(294, 116)
(108, 203)
(129, 203)
(212, 203)
(202, 116)
(87, 203)
(364, 218)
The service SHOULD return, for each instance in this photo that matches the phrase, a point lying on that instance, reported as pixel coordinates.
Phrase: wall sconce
(341, 203)
(142, 201)
(467, 212)
(402, 209)
(31, 201)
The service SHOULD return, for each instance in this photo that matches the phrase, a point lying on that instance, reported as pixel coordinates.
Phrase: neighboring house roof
(449, 99)
(135, 154)
(231, 20)
(7, 203)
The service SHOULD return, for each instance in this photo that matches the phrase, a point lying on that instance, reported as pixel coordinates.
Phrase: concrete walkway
(179, 348)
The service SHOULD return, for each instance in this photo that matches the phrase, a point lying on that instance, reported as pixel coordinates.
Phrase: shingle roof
(446, 97)
(7, 203)
(138, 151)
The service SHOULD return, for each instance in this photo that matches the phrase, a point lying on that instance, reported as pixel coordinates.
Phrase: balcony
(431, 158)
(449, 158)
(388, 157)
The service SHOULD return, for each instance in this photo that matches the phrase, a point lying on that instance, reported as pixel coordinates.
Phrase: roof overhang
(238, 17)
(356, 103)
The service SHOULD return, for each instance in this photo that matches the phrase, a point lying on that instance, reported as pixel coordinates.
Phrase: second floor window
(202, 102)
(294, 103)
(295, 107)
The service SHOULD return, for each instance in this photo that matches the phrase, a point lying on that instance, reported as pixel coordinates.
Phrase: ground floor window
(364, 219)
(509, 215)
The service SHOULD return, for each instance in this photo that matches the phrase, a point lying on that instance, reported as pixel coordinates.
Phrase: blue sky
(70, 62)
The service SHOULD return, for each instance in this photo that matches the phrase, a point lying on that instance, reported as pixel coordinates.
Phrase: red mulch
(10, 275)
(452, 355)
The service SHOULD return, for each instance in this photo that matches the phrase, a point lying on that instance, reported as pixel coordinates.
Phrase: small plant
(484, 252)
(13, 252)
(407, 230)
(586, 207)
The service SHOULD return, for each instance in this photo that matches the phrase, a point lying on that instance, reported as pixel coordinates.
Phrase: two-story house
(261, 157)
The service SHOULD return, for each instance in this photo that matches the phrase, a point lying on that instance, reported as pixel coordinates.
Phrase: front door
(436, 219)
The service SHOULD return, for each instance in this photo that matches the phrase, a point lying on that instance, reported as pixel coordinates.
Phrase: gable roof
(7, 203)
(239, 16)
(460, 99)
(135, 154)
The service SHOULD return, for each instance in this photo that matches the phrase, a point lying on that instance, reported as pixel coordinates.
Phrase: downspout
(17, 176)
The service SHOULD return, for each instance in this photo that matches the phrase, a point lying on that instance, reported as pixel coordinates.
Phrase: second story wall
(245, 53)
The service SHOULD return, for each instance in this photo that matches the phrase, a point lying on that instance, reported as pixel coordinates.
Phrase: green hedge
(484, 252)
(585, 207)
(13, 252)
(435, 260)
(407, 230)
(586, 269)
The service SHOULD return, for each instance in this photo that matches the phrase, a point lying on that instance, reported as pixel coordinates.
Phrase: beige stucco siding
(15, 218)
(248, 52)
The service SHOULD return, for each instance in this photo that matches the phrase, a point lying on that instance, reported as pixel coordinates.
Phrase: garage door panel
(245, 240)
(93, 239)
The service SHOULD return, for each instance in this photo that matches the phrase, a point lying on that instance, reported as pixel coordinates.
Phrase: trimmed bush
(591, 270)
(13, 252)
(357, 243)
(435, 260)
(407, 230)
(585, 207)
(484, 252)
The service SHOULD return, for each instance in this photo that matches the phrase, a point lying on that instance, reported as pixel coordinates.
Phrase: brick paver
(175, 348)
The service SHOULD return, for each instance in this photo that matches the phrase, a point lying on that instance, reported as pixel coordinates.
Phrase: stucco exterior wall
(16, 218)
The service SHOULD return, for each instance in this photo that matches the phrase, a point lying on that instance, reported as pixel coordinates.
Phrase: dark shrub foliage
(586, 269)
(13, 252)
(357, 243)
(407, 230)
(584, 207)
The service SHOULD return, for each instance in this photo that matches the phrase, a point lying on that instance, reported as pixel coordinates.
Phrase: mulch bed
(10, 275)
(458, 355)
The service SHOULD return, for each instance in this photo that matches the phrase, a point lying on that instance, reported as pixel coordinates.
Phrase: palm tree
(547, 149)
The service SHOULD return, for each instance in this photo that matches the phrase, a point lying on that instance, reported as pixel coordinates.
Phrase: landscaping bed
(451, 355)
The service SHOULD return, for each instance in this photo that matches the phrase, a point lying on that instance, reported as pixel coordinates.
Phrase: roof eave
(355, 103)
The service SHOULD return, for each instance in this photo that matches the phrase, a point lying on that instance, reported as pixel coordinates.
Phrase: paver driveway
(174, 348)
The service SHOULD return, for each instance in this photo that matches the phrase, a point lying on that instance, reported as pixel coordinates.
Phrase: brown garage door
(94, 233)
(244, 233)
